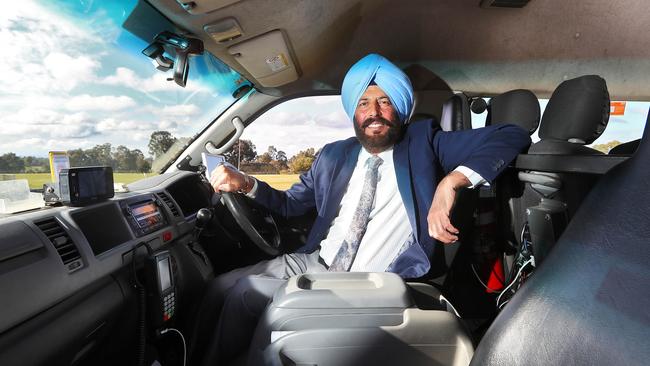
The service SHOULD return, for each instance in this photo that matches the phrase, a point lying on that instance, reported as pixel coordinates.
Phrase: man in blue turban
(383, 197)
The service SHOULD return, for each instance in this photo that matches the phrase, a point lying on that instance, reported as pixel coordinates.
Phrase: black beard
(377, 144)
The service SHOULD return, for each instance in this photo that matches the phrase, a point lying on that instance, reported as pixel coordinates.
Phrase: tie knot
(374, 162)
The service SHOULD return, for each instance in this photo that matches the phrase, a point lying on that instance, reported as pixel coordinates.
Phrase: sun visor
(267, 59)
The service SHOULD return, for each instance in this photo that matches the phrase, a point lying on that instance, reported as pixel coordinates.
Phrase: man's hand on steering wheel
(258, 224)
(228, 179)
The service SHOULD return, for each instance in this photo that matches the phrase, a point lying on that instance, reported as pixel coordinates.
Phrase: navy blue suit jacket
(421, 159)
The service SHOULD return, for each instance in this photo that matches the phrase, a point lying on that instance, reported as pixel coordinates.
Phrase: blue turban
(392, 80)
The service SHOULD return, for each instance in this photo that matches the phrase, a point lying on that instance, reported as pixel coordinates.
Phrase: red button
(167, 236)
(165, 317)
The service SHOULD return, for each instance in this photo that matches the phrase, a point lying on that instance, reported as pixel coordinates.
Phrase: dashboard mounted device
(81, 186)
(161, 286)
(144, 215)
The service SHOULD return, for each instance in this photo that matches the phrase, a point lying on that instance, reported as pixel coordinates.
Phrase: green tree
(241, 151)
(35, 164)
(10, 163)
(264, 158)
(281, 156)
(79, 157)
(142, 164)
(607, 146)
(102, 155)
(124, 159)
(301, 162)
(160, 142)
(273, 152)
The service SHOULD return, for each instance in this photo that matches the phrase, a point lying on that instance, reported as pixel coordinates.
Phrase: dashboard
(65, 257)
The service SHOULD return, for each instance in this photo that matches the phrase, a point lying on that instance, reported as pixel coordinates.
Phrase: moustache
(368, 121)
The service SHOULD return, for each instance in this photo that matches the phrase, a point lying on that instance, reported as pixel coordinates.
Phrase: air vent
(62, 243)
(168, 201)
(504, 3)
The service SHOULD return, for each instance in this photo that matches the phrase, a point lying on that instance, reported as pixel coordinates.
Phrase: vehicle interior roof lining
(560, 40)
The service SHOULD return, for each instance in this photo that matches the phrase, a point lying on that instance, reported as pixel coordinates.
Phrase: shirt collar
(386, 156)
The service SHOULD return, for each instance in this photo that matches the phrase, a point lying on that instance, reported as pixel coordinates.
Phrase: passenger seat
(519, 107)
(456, 114)
(576, 115)
(588, 303)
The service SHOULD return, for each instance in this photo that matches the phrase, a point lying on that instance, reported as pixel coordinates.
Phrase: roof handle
(239, 129)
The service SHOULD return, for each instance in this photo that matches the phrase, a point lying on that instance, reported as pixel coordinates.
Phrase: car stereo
(144, 216)
(78, 186)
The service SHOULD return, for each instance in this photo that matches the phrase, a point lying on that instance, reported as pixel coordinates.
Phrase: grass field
(36, 180)
(278, 181)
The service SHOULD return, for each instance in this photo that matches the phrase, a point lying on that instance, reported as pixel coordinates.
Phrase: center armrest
(336, 290)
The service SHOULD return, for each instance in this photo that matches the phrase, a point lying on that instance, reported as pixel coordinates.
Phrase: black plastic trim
(588, 164)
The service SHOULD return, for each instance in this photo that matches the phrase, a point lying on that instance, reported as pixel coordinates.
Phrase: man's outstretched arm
(440, 227)
(485, 152)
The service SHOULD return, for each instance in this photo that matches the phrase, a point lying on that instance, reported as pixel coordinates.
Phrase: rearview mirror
(182, 47)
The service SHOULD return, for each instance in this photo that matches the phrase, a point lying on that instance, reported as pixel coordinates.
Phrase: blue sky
(73, 78)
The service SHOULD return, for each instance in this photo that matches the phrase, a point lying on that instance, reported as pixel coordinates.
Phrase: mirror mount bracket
(182, 47)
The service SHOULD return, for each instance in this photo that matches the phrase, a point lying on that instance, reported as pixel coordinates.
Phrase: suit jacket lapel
(339, 180)
(402, 165)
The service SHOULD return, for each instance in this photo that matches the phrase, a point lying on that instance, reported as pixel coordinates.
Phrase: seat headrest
(578, 110)
(519, 107)
(455, 114)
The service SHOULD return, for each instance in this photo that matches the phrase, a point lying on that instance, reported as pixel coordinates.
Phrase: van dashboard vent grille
(170, 204)
(62, 243)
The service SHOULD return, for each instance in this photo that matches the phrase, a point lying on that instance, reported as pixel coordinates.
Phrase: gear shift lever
(203, 218)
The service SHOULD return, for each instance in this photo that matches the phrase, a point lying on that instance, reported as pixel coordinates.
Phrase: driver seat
(587, 303)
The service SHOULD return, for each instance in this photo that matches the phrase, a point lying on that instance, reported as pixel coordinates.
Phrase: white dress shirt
(388, 227)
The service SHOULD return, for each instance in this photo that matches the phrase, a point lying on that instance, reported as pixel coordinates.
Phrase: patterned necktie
(348, 250)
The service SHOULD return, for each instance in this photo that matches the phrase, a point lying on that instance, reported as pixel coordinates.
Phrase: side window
(283, 142)
(478, 119)
(626, 123)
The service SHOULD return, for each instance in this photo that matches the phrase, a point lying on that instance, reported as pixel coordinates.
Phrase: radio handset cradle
(161, 288)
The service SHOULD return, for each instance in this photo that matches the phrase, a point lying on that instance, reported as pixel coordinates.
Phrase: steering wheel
(257, 223)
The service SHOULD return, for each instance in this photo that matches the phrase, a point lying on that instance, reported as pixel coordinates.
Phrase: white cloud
(31, 116)
(86, 102)
(300, 124)
(325, 99)
(319, 117)
(125, 126)
(180, 110)
(69, 71)
(64, 144)
(155, 83)
(74, 131)
(167, 125)
(33, 61)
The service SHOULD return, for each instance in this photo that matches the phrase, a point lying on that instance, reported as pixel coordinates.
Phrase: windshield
(75, 80)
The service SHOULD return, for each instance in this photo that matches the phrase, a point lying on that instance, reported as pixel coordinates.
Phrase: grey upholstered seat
(588, 303)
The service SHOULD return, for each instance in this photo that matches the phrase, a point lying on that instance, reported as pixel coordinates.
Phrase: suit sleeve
(295, 201)
(487, 150)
